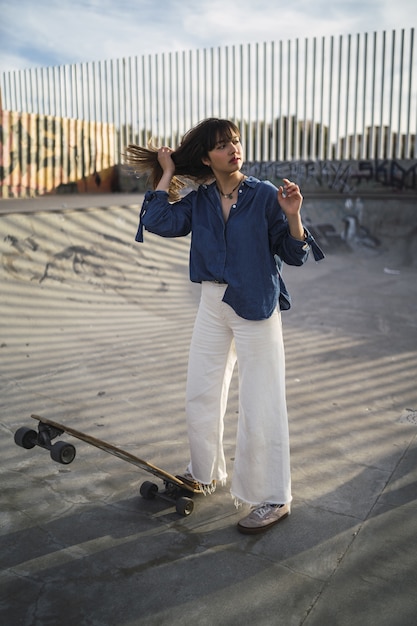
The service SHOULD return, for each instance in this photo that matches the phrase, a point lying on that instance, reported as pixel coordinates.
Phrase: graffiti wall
(345, 177)
(44, 154)
(41, 154)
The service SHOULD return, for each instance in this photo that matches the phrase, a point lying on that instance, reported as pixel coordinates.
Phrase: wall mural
(346, 177)
(40, 154)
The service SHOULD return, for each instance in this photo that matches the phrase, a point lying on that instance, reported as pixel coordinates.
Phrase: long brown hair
(195, 146)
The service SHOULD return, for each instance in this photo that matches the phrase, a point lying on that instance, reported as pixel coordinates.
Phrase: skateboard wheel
(25, 437)
(184, 506)
(63, 452)
(148, 490)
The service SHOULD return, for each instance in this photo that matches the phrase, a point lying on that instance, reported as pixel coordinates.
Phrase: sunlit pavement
(95, 333)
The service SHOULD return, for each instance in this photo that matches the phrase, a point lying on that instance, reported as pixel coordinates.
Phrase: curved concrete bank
(95, 332)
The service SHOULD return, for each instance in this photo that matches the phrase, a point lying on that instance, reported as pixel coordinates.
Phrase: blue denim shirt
(246, 252)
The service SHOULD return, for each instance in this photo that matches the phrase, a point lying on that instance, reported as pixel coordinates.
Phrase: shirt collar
(250, 181)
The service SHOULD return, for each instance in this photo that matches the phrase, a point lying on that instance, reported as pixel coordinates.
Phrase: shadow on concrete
(95, 332)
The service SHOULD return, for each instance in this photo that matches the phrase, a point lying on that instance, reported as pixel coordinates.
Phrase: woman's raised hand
(165, 160)
(290, 198)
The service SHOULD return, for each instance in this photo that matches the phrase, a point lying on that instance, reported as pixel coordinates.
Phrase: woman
(242, 230)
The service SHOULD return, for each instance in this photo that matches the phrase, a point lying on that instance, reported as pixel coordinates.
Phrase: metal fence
(347, 97)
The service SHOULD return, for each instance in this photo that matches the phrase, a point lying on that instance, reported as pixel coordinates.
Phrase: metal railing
(347, 97)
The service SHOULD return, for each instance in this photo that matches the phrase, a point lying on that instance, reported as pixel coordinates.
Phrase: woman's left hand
(290, 198)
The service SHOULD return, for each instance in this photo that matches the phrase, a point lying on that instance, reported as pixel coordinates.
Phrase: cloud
(71, 31)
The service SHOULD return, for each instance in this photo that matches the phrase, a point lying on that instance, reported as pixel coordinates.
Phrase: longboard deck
(118, 452)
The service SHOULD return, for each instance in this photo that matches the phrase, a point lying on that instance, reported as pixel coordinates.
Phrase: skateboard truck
(61, 451)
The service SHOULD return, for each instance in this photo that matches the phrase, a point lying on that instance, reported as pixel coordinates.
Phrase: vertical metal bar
(407, 154)
(81, 67)
(151, 99)
(398, 151)
(280, 151)
(172, 100)
(49, 80)
(391, 96)
(205, 82)
(304, 123)
(266, 118)
(32, 94)
(380, 149)
(346, 147)
(228, 93)
(171, 141)
(157, 98)
(296, 133)
(321, 115)
(249, 91)
(241, 107)
(355, 107)
(38, 108)
(414, 148)
(43, 92)
(112, 121)
(338, 100)
(198, 85)
(184, 94)
(15, 89)
(117, 111)
(138, 107)
(87, 87)
(56, 83)
(371, 151)
(94, 90)
(101, 123)
(144, 100)
(74, 112)
(192, 92)
(273, 146)
(328, 150)
(177, 93)
(27, 103)
(220, 82)
(64, 91)
(313, 153)
(20, 105)
(125, 96)
(106, 101)
(132, 109)
(257, 155)
(210, 73)
(164, 99)
(3, 93)
(288, 133)
(364, 91)
(122, 105)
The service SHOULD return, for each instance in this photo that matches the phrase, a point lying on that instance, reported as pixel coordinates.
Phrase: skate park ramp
(95, 334)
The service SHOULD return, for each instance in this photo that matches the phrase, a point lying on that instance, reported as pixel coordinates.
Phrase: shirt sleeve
(292, 251)
(295, 252)
(161, 217)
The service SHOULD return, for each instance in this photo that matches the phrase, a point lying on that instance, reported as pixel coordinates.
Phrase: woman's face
(226, 156)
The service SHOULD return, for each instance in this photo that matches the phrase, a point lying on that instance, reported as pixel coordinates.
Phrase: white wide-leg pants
(262, 460)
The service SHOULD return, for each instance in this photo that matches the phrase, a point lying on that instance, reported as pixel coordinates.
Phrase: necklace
(229, 196)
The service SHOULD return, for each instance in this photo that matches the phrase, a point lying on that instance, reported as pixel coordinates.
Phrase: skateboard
(177, 491)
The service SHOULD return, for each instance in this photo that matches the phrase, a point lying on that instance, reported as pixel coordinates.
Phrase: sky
(46, 33)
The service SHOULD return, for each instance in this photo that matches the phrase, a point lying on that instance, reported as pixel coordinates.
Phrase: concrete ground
(94, 333)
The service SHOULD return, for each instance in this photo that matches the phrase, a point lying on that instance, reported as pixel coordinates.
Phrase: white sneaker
(262, 517)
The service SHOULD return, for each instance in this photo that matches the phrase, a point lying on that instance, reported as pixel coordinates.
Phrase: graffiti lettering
(345, 177)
